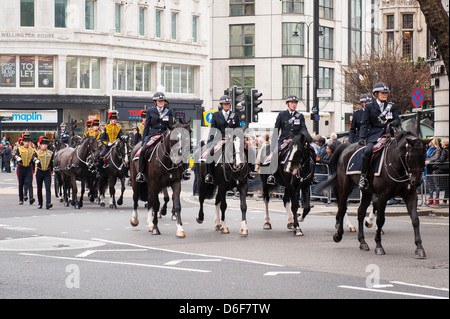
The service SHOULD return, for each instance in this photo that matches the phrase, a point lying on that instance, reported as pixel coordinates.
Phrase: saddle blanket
(217, 148)
(354, 165)
(268, 159)
(152, 141)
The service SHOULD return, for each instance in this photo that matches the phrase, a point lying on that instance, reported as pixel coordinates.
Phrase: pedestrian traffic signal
(255, 102)
(74, 125)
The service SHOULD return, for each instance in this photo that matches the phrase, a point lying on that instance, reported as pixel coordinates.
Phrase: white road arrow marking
(176, 262)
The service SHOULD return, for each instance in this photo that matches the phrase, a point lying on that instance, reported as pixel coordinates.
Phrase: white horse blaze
(291, 157)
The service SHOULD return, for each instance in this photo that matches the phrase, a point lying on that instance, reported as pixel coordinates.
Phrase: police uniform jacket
(287, 123)
(221, 123)
(371, 128)
(45, 158)
(156, 123)
(64, 136)
(353, 133)
(26, 154)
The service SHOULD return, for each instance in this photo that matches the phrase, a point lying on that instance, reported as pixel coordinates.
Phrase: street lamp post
(316, 67)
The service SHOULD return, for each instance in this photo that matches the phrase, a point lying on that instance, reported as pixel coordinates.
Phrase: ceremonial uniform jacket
(371, 128)
(219, 122)
(156, 123)
(287, 123)
(112, 132)
(26, 153)
(45, 158)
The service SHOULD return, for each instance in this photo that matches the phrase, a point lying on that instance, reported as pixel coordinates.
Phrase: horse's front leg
(201, 199)
(163, 211)
(365, 202)
(177, 209)
(223, 208)
(294, 207)
(122, 190)
(134, 221)
(74, 192)
(243, 197)
(411, 204)
(288, 206)
(112, 192)
(380, 223)
(266, 196)
(153, 207)
(306, 201)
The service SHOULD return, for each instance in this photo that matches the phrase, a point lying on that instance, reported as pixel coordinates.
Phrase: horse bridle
(302, 165)
(91, 153)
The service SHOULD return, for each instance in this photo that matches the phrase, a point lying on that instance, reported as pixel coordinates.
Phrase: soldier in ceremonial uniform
(23, 157)
(288, 121)
(112, 132)
(43, 159)
(94, 129)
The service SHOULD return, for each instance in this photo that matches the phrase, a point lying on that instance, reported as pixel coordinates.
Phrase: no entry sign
(417, 98)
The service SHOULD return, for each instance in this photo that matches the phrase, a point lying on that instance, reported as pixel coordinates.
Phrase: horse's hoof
(298, 232)
(174, 218)
(218, 227)
(243, 232)
(61, 200)
(267, 226)
(102, 204)
(225, 230)
(66, 204)
(380, 251)
(120, 202)
(159, 215)
(134, 224)
(364, 247)
(181, 234)
(163, 212)
(290, 226)
(420, 253)
(351, 229)
(337, 238)
(368, 225)
(77, 206)
(200, 221)
(156, 231)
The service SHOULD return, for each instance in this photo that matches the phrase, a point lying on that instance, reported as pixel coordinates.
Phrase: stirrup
(363, 183)
(208, 179)
(271, 180)
(139, 177)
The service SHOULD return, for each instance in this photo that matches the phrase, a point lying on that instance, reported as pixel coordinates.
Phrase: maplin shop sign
(38, 116)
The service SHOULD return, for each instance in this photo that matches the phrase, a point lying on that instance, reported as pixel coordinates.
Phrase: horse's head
(178, 141)
(414, 150)
(123, 148)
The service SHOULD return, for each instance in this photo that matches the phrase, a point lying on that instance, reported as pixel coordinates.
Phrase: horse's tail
(332, 180)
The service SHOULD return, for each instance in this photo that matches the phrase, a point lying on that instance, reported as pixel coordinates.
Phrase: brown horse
(75, 164)
(162, 170)
(403, 164)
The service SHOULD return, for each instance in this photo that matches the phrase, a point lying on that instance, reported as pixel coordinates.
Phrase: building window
(242, 7)
(82, 73)
(355, 28)
(45, 71)
(89, 14)
(174, 25)
(118, 17)
(243, 76)
(292, 80)
(293, 6)
(27, 71)
(326, 81)
(408, 21)
(7, 71)
(131, 75)
(158, 24)
(326, 44)
(142, 12)
(60, 13)
(195, 20)
(27, 13)
(407, 44)
(293, 45)
(242, 41)
(390, 41)
(178, 78)
(326, 9)
(390, 22)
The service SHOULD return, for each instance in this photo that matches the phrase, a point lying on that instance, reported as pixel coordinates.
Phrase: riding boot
(363, 182)
(209, 179)
(140, 175)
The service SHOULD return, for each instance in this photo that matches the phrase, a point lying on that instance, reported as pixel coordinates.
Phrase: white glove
(37, 161)
(109, 144)
(19, 158)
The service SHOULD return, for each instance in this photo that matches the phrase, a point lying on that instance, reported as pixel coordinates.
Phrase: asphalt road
(95, 253)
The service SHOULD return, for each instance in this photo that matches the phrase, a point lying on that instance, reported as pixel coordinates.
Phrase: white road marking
(90, 252)
(418, 286)
(118, 263)
(276, 273)
(392, 292)
(176, 262)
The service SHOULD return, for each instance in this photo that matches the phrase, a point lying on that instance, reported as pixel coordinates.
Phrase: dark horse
(295, 174)
(229, 172)
(403, 164)
(75, 164)
(116, 167)
(161, 172)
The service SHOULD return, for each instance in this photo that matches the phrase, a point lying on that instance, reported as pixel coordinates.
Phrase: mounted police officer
(43, 159)
(287, 122)
(221, 120)
(158, 118)
(353, 133)
(23, 156)
(63, 134)
(377, 116)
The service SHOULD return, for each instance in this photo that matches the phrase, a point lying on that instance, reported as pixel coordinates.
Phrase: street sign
(207, 116)
(418, 98)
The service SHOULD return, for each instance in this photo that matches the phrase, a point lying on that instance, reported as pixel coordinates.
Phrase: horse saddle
(354, 165)
(216, 149)
(280, 153)
(150, 146)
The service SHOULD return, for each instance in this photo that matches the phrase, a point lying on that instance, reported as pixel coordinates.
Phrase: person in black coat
(158, 119)
(287, 122)
(353, 133)
(377, 116)
(221, 120)
(63, 134)
(6, 157)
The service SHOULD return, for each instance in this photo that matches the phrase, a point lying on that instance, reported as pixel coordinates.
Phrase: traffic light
(240, 104)
(255, 102)
(73, 125)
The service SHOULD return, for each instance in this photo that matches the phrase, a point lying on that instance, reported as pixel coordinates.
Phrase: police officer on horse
(378, 115)
(353, 133)
(63, 134)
